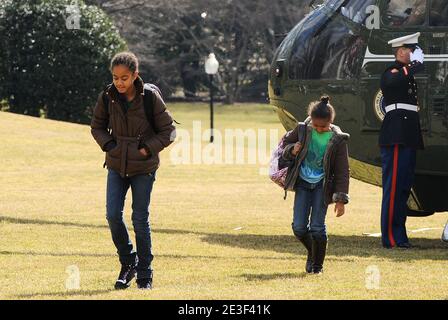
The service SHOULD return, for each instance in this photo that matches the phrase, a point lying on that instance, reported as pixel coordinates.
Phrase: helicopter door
(397, 18)
(437, 58)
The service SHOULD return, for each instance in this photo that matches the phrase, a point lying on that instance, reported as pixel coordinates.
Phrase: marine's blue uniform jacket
(399, 86)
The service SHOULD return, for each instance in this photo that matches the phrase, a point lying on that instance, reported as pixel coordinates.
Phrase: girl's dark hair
(322, 109)
(125, 58)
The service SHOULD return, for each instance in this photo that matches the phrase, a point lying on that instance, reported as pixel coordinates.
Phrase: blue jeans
(309, 202)
(141, 186)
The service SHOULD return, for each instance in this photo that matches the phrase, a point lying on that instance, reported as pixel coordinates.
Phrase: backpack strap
(106, 106)
(148, 102)
(302, 132)
(302, 137)
(106, 99)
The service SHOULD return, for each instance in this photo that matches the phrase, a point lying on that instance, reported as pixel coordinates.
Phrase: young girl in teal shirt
(319, 177)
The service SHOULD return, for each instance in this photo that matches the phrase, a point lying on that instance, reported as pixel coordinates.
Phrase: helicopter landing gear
(445, 233)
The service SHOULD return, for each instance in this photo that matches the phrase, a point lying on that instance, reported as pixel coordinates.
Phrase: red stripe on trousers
(392, 196)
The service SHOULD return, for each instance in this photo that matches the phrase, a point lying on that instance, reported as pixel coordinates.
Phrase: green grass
(219, 231)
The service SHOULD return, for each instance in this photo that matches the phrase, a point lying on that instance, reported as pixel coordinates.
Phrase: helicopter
(340, 48)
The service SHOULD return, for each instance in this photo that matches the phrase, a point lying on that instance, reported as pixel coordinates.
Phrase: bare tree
(173, 37)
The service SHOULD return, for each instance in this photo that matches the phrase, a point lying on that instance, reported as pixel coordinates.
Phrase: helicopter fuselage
(334, 51)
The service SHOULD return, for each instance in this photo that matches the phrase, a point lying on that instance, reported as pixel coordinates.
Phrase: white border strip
(370, 57)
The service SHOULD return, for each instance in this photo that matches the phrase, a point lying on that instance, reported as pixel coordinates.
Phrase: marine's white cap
(406, 41)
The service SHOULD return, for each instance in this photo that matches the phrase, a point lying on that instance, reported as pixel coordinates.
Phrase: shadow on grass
(55, 254)
(14, 220)
(47, 222)
(105, 255)
(63, 294)
(344, 246)
(273, 276)
(360, 246)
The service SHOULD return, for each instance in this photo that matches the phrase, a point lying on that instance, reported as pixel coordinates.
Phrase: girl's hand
(143, 152)
(339, 209)
(296, 149)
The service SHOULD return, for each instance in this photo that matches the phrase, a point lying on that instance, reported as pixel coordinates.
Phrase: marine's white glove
(418, 55)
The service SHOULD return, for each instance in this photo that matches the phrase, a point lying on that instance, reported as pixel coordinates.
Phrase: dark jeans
(309, 203)
(141, 186)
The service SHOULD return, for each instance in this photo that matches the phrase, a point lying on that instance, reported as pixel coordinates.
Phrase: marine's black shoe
(127, 273)
(405, 246)
(145, 283)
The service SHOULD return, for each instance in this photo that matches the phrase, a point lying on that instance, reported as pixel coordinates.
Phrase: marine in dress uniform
(400, 138)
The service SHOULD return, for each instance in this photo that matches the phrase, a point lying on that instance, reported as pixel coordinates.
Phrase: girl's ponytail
(325, 100)
(322, 109)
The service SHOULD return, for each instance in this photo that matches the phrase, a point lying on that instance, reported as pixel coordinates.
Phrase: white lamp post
(211, 68)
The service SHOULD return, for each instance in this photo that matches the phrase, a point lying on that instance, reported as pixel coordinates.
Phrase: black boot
(145, 283)
(307, 242)
(318, 253)
(127, 273)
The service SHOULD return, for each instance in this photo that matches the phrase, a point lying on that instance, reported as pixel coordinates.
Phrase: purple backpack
(279, 167)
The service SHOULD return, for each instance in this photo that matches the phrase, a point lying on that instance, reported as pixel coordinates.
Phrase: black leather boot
(319, 249)
(307, 242)
(127, 273)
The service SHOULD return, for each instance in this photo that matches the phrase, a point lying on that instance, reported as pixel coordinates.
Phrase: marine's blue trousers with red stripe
(398, 164)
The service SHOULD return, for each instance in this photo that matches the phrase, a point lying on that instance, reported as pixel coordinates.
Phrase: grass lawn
(220, 231)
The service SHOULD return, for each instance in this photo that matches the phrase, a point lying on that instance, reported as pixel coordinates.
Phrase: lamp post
(211, 68)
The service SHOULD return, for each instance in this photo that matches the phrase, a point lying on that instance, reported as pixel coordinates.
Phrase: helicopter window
(401, 13)
(355, 10)
(332, 54)
(439, 13)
